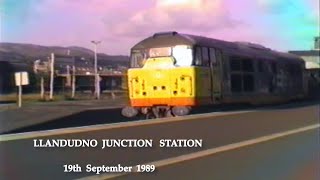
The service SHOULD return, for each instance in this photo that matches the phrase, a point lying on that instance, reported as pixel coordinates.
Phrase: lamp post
(96, 77)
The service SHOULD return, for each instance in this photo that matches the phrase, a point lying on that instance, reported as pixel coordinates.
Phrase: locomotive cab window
(182, 55)
(248, 82)
(247, 65)
(274, 67)
(205, 56)
(235, 64)
(212, 56)
(236, 83)
(160, 52)
(137, 59)
(198, 56)
(260, 66)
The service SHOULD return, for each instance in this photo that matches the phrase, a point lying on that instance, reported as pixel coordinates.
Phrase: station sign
(21, 78)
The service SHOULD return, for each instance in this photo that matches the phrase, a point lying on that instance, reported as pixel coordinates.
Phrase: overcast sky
(119, 24)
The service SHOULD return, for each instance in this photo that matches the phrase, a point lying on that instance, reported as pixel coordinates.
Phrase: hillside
(27, 53)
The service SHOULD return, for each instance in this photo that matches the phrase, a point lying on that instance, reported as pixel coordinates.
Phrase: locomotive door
(216, 71)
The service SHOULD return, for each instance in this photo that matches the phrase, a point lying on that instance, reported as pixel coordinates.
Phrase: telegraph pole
(51, 76)
(73, 81)
(96, 76)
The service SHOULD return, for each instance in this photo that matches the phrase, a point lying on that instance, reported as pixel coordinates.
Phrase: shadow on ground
(7, 102)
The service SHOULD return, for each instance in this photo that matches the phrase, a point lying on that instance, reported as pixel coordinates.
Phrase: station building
(63, 65)
(311, 57)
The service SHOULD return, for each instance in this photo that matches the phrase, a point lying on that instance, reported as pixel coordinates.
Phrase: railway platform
(278, 142)
(43, 112)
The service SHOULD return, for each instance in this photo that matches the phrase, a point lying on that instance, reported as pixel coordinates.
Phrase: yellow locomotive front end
(161, 82)
(155, 85)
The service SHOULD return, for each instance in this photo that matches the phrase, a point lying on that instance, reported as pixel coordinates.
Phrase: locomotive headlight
(158, 75)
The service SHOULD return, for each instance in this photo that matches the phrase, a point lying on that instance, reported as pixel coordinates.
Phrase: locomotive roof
(237, 48)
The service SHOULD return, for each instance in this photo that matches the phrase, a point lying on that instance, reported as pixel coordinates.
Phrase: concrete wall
(312, 61)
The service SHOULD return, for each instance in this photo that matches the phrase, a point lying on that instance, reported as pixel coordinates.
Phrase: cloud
(181, 15)
(274, 6)
(68, 22)
(122, 23)
(289, 6)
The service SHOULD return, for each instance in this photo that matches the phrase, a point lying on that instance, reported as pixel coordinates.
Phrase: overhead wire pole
(96, 76)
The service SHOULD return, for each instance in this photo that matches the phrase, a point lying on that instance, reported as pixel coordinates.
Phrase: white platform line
(208, 152)
(54, 132)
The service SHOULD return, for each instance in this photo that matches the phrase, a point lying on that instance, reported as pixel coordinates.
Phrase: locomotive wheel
(169, 113)
(150, 116)
(180, 110)
(159, 113)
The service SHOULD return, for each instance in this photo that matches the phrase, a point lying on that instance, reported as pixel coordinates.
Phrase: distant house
(7, 70)
(6, 78)
(317, 43)
(311, 57)
(63, 62)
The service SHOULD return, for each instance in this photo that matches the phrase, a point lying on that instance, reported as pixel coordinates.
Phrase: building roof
(306, 53)
(312, 65)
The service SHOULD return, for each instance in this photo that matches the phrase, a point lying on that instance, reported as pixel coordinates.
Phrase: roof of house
(306, 53)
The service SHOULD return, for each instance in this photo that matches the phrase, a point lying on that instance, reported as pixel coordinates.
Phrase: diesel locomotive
(171, 73)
